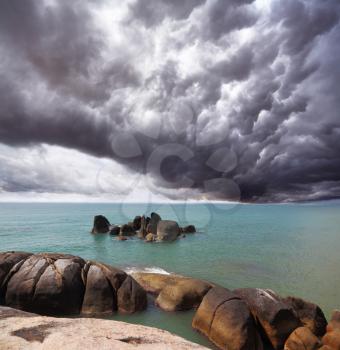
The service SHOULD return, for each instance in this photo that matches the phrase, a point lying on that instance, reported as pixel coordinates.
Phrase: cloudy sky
(179, 99)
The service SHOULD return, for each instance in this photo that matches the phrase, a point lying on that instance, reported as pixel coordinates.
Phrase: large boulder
(167, 230)
(101, 224)
(310, 315)
(127, 230)
(302, 339)
(332, 337)
(49, 284)
(61, 284)
(276, 318)
(226, 320)
(137, 223)
(143, 225)
(131, 297)
(152, 226)
(186, 294)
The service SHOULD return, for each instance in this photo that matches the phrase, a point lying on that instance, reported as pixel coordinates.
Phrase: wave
(153, 269)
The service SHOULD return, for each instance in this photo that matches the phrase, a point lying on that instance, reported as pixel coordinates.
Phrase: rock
(186, 294)
(167, 230)
(152, 226)
(332, 337)
(127, 230)
(131, 297)
(137, 223)
(10, 262)
(310, 315)
(226, 320)
(301, 339)
(114, 230)
(143, 226)
(150, 237)
(277, 319)
(189, 229)
(48, 284)
(19, 331)
(101, 224)
(99, 298)
(121, 238)
(155, 282)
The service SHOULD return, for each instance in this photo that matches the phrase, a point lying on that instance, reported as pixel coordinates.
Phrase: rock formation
(100, 224)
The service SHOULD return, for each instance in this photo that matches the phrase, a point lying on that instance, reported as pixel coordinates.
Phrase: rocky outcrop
(100, 224)
(167, 230)
(20, 330)
(152, 226)
(331, 340)
(127, 230)
(61, 284)
(276, 318)
(226, 320)
(302, 339)
(309, 314)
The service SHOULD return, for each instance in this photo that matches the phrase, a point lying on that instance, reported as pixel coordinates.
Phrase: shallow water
(292, 249)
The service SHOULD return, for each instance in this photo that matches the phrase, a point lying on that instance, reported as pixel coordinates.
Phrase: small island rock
(101, 224)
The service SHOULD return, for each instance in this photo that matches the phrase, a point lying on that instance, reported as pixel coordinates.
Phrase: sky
(228, 100)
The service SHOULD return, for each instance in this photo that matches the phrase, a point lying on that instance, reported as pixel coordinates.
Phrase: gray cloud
(217, 76)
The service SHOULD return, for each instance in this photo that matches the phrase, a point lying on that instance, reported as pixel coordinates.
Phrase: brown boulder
(332, 336)
(301, 339)
(137, 223)
(277, 319)
(167, 230)
(310, 315)
(48, 284)
(226, 320)
(131, 297)
(186, 294)
(100, 224)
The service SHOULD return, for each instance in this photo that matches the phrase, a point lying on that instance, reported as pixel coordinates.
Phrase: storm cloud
(219, 99)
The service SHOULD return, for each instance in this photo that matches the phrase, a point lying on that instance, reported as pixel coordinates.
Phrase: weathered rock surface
(310, 315)
(277, 319)
(61, 284)
(131, 296)
(101, 224)
(167, 230)
(302, 339)
(332, 337)
(185, 294)
(226, 320)
(20, 330)
(150, 237)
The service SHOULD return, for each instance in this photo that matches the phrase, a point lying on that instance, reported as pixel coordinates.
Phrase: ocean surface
(293, 249)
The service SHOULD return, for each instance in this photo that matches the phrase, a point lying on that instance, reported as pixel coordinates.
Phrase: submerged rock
(226, 320)
(277, 319)
(189, 229)
(114, 230)
(101, 224)
(167, 230)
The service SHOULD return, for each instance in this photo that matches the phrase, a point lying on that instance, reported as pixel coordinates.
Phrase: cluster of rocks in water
(150, 229)
(242, 319)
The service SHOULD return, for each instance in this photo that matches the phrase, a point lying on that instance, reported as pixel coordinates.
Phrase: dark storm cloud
(262, 109)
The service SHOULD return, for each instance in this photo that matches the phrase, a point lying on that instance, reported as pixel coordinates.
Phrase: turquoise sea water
(293, 249)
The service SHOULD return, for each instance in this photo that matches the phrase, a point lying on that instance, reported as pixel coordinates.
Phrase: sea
(293, 249)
